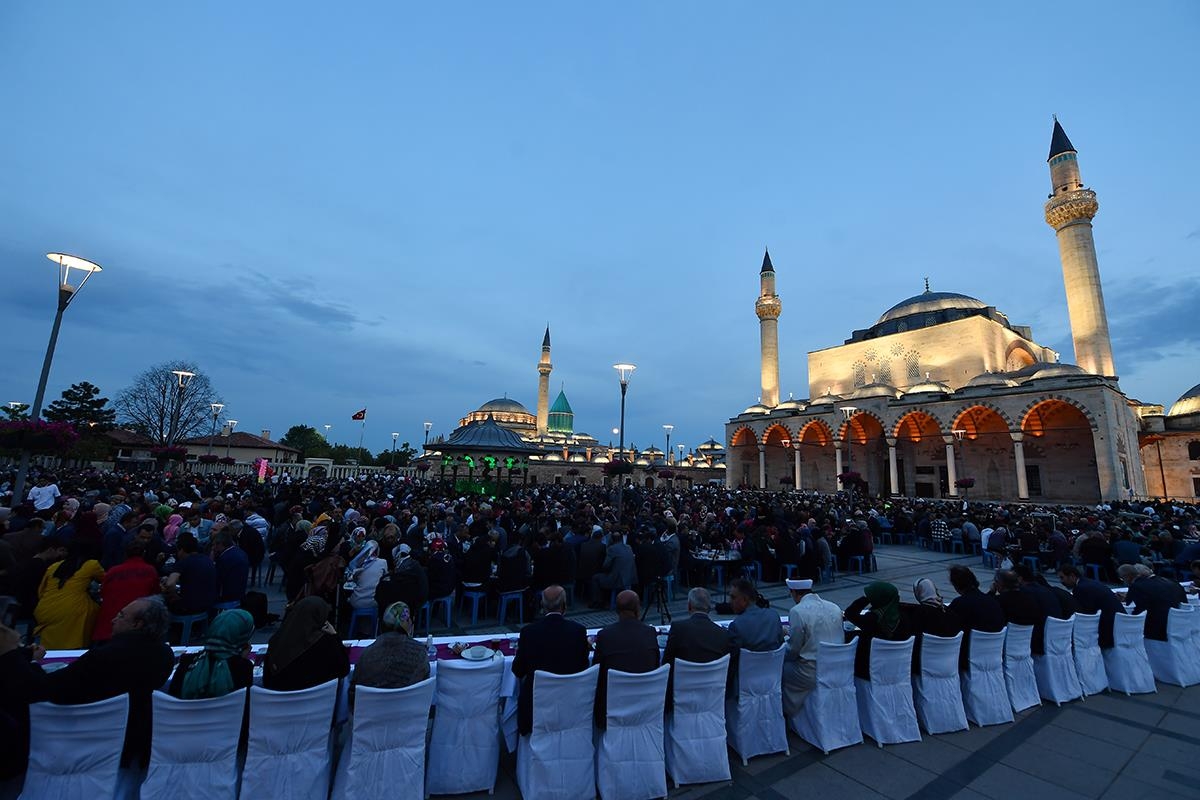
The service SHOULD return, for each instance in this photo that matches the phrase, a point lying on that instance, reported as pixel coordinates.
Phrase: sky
(383, 205)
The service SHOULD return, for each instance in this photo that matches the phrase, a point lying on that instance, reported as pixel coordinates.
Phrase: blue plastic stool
(516, 596)
(753, 571)
(474, 595)
(447, 601)
(828, 574)
(957, 546)
(1093, 571)
(885, 537)
(975, 548)
(788, 571)
(371, 614)
(669, 580)
(1033, 562)
(185, 623)
(989, 559)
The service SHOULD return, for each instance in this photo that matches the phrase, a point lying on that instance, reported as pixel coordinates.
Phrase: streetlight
(327, 427)
(66, 293)
(216, 411)
(668, 429)
(624, 371)
(232, 423)
(959, 434)
(183, 378)
(848, 412)
(680, 448)
(428, 428)
(395, 436)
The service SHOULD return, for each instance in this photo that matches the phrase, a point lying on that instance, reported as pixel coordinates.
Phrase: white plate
(478, 653)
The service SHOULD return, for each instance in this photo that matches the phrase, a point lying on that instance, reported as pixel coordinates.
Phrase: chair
(828, 719)
(1033, 562)
(1089, 664)
(754, 719)
(288, 752)
(1019, 677)
(1057, 680)
(474, 592)
(371, 614)
(985, 700)
(989, 559)
(630, 762)
(516, 596)
(558, 758)
(193, 751)
(860, 563)
(385, 752)
(695, 727)
(228, 605)
(753, 571)
(1094, 572)
(885, 703)
(75, 751)
(1126, 663)
(1173, 661)
(464, 748)
(956, 546)
(937, 690)
(185, 623)
(428, 608)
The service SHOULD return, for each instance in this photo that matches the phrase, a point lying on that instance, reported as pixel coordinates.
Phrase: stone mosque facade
(944, 387)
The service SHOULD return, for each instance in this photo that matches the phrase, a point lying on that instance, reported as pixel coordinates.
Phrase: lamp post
(959, 435)
(668, 429)
(624, 371)
(428, 428)
(182, 379)
(680, 448)
(395, 436)
(216, 412)
(232, 423)
(326, 427)
(66, 293)
(848, 412)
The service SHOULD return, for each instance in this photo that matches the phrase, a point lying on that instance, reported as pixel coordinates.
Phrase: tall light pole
(428, 428)
(327, 427)
(216, 412)
(232, 423)
(182, 379)
(959, 435)
(680, 448)
(66, 293)
(668, 429)
(395, 436)
(848, 412)
(624, 371)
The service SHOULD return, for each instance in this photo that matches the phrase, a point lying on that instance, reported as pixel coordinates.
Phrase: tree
(307, 440)
(157, 407)
(403, 457)
(12, 413)
(82, 406)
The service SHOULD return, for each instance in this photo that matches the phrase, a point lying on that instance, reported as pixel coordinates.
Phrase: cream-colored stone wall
(1165, 460)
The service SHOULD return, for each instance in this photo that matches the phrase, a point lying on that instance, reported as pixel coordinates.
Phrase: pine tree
(82, 406)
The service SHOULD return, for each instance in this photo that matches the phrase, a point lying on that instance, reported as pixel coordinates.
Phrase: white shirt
(43, 497)
(813, 621)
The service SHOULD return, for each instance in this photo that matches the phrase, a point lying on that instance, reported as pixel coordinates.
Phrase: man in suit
(973, 610)
(551, 644)
(1020, 608)
(696, 639)
(591, 559)
(1153, 594)
(619, 571)
(628, 645)
(1092, 596)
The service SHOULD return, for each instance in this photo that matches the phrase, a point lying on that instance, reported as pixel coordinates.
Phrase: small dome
(1048, 370)
(1188, 403)
(711, 446)
(930, 301)
(876, 390)
(929, 387)
(991, 379)
(505, 405)
(757, 408)
(829, 398)
(790, 405)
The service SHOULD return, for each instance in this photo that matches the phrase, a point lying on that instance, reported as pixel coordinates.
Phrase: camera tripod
(659, 592)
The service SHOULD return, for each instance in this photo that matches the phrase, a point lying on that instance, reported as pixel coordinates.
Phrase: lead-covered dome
(928, 301)
(1188, 403)
(503, 404)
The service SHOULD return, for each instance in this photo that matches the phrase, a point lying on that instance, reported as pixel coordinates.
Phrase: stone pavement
(1107, 746)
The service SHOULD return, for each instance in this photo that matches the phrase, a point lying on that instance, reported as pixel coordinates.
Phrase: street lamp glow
(216, 407)
(72, 268)
(395, 436)
(232, 423)
(183, 375)
(624, 371)
(848, 411)
(14, 404)
(959, 433)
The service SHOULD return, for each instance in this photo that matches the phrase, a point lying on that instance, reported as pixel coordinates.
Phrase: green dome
(561, 418)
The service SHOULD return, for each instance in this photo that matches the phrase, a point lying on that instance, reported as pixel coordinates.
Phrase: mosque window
(912, 363)
(860, 373)
(885, 373)
(1194, 451)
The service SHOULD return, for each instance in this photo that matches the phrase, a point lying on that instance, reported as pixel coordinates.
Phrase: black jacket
(407, 583)
(552, 644)
(1092, 596)
(1156, 596)
(627, 645)
(1022, 608)
(975, 611)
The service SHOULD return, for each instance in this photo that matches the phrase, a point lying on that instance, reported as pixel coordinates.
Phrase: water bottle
(430, 648)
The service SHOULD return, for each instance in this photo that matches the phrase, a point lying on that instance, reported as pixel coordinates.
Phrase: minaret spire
(544, 369)
(1069, 211)
(768, 308)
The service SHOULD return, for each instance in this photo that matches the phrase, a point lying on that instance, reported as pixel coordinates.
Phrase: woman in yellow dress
(66, 613)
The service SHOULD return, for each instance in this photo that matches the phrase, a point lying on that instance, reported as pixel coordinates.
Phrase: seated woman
(394, 660)
(928, 615)
(365, 570)
(223, 666)
(66, 613)
(306, 650)
(878, 616)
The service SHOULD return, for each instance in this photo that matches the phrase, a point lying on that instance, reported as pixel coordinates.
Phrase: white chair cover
(557, 761)
(1057, 680)
(193, 751)
(985, 700)
(1173, 661)
(385, 753)
(288, 752)
(754, 718)
(464, 750)
(829, 718)
(1019, 677)
(695, 727)
(1089, 664)
(75, 751)
(630, 761)
(937, 690)
(885, 703)
(1126, 662)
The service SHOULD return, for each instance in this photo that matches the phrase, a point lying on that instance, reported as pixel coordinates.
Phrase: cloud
(1194, 234)
(1151, 321)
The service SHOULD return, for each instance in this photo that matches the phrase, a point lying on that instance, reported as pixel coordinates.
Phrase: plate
(478, 653)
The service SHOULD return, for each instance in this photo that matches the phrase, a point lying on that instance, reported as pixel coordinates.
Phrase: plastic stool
(516, 596)
(957, 546)
(856, 562)
(371, 613)
(753, 570)
(788, 571)
(669, 580)
(1033, 562)
(989, 559)
(885, 537)
(1093, 571)
(828, 574)
(447, 601)
(185, 622)
(474, 595)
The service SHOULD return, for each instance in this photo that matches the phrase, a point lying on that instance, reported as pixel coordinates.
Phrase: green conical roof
(561, 406)
(561, 418)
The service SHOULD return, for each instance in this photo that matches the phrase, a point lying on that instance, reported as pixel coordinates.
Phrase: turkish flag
(361, 415)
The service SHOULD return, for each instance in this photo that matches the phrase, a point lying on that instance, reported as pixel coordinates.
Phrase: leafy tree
(82, 406)
(403, 456)
(12, 413)
(157, 407)
(307, 440)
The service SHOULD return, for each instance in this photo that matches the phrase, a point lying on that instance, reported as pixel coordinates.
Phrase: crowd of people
(106, 562)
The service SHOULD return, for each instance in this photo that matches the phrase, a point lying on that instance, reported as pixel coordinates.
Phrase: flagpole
(361, 431)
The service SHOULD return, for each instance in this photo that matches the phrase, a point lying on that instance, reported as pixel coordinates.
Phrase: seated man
(1153, 594)
(1092, 596)
(551, 644)
(812, 621)
(756, 626)
(628, 645)
(233, 567)
(192, 585)
(618, 572)
(697, 639)
(394, 660)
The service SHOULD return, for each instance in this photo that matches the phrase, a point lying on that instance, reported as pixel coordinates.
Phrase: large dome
(503, 404)
(929, 301)
(1188, 403)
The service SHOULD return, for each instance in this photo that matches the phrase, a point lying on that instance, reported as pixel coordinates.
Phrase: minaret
(544, 369)
(1069, 211)
(768, 307)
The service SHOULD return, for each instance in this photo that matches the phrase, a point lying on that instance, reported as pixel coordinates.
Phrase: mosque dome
(929, 301)
(503, 405)
(790, 405)
(757, 408)
(1188, 403)
(1048, 370)
(827, 399)
(876, 390)
(929, 387)
(561, 418)
(991, 379)
(711, 446)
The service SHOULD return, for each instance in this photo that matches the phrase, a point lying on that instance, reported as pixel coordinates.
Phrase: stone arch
(1018, 356)
(776, 434)
(1033, 417)
(1060, 451)
(862, 426)
(980, 418)
(743, 436)
(916, 426)
(815, 431)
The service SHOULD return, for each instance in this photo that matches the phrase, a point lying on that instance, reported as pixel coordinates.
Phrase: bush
(37, 436)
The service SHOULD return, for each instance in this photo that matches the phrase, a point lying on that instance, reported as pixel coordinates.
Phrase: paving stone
(1003, 782)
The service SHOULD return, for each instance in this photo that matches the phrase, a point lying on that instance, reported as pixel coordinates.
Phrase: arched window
(1194, 450)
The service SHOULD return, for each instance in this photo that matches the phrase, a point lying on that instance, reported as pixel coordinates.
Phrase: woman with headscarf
(66, 613)
(171, 529)
(306, 554)
(365, 571)
(878, 616)
(88, 535)
(928, 615)
(306, 650)
(223, 666)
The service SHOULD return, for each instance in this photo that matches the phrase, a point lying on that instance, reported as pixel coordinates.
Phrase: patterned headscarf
(926, 593)
(885, 602)
(315, 543)
(365, 556)
(209, 675)
(397, 617)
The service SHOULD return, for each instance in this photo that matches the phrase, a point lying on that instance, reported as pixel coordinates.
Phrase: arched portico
(743, 458)
(986, 451)
(813, 447)
(920, 455)
(865, 450)
(1060, 452)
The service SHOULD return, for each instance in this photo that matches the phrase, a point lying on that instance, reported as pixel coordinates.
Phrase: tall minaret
(544, 369)
(1069, 211)
(768, 307)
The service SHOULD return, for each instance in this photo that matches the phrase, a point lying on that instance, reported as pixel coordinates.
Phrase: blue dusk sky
(335, 206)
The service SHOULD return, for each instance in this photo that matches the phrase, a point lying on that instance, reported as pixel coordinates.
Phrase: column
(893, 472)
(837, 456)
(1019, 454)
(762, 466)
(951, 471)
(796, 468)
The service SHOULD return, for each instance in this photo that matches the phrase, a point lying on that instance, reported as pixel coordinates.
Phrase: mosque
(944, 396)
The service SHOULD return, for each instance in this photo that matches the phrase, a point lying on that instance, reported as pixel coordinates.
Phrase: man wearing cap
(812, 621)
